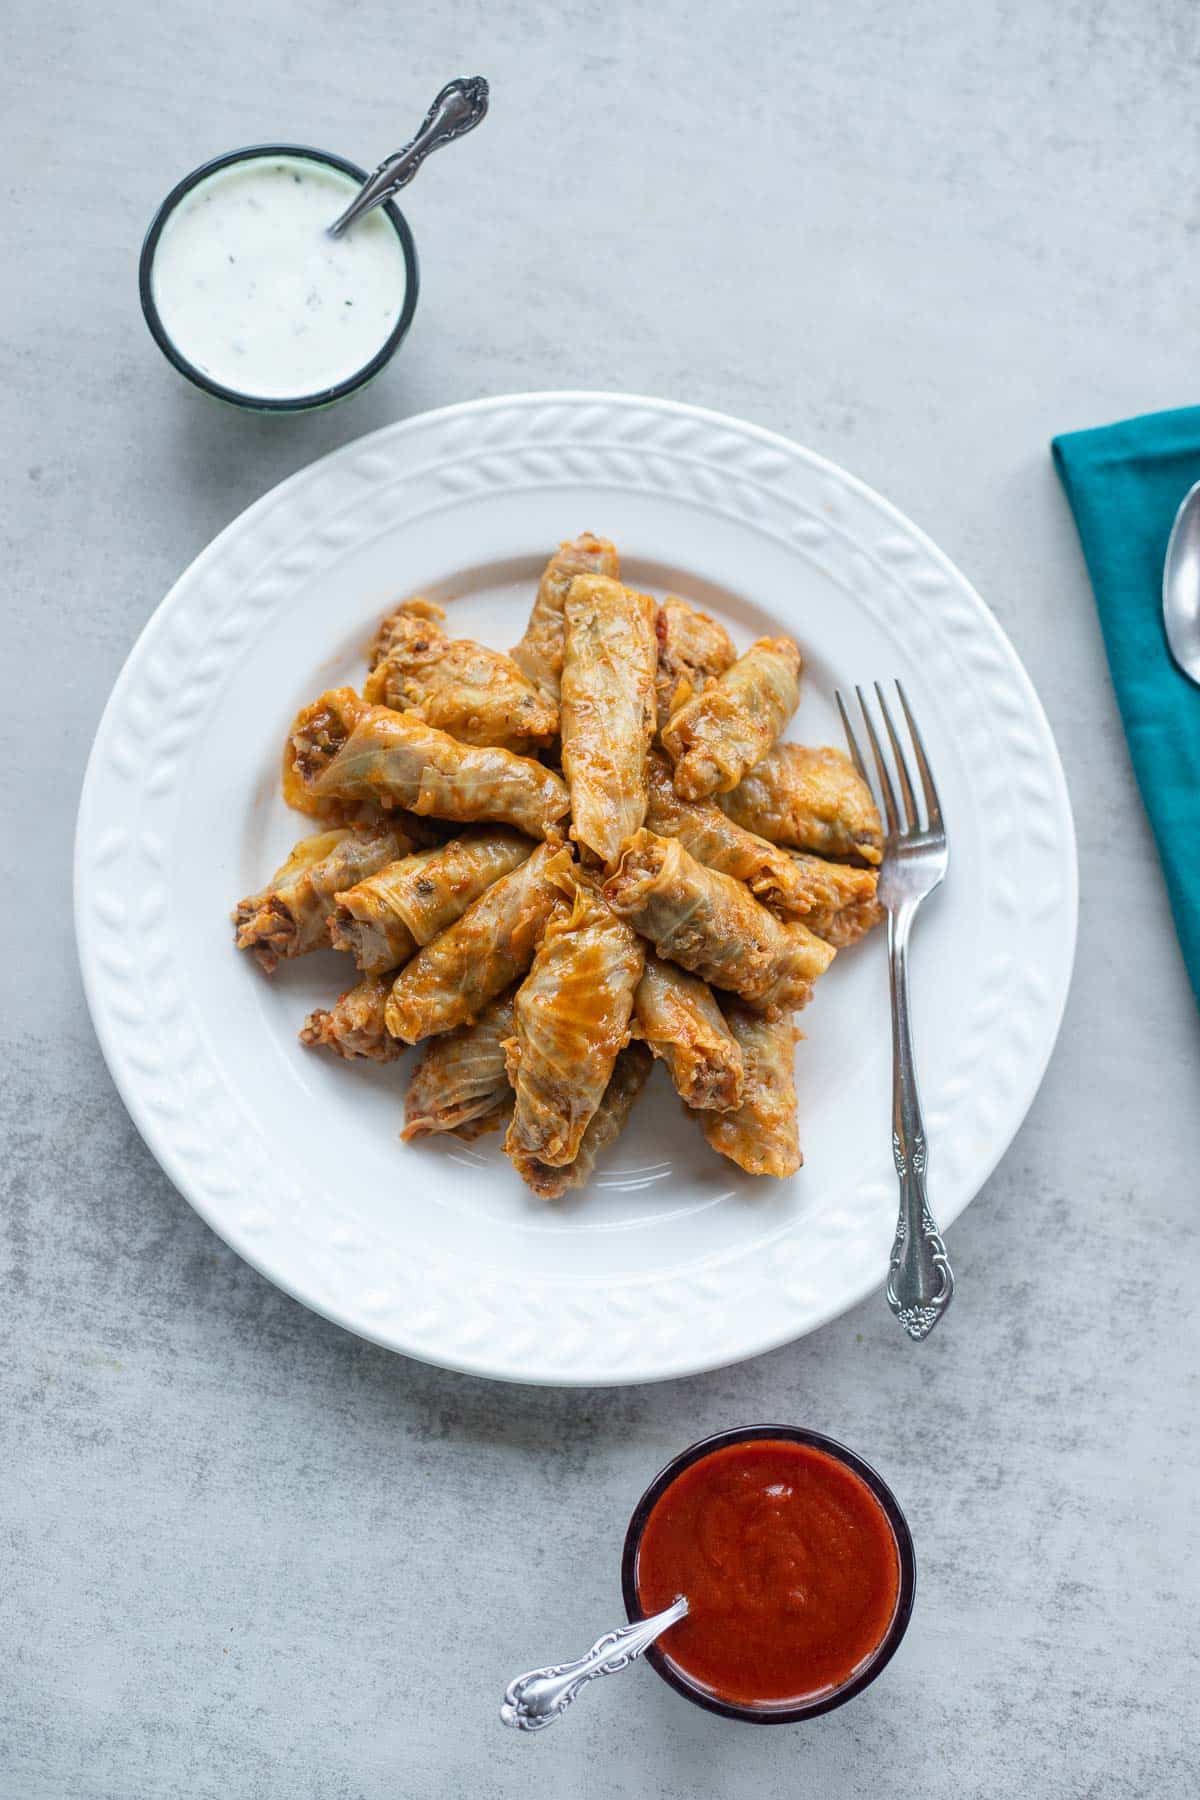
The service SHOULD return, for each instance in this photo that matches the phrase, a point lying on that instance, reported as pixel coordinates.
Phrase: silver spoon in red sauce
(535, 1700)
(798, 1569)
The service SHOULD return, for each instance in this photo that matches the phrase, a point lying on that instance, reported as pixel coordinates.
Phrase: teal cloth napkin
(1124, 483)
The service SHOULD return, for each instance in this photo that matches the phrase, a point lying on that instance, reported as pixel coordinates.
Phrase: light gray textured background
(921, 239)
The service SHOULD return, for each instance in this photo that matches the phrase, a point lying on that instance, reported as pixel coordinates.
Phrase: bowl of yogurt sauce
(245, 291)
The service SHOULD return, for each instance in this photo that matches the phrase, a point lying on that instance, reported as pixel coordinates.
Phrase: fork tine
(910, 801)
(851, 740)
(932, 808)
(885, 780)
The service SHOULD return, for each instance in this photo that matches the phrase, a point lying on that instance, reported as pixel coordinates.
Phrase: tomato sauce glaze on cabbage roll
(476, 694)
(762, 1135)
(810, 799)
(836, 900)
(715, 840)
(539, 655)
(606, 1124)
(607, 710)
(451, 978)
(383, 920)
(719, 736)
(571, 1020)
(340, 748)
(712, 924)
(461, 1078)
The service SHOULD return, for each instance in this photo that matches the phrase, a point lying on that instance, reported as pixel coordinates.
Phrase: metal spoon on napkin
(1181, 586)
(458, 109)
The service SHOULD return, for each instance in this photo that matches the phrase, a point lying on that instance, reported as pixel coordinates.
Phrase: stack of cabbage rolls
(554, 866)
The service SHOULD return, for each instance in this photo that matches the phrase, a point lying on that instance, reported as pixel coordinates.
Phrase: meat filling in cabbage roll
(290, 916)
(355, 1025)
(836, 900)
(692, 650)
(677, 1018)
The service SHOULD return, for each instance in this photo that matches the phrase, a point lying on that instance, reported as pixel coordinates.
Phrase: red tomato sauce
(789, 1564)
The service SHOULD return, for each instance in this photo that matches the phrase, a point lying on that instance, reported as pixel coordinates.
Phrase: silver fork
(920, 1283)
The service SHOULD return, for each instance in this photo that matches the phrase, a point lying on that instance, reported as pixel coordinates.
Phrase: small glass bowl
(864, 1675)
(298, 402)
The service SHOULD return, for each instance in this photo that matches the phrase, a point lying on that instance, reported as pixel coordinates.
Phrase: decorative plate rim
(739, 459)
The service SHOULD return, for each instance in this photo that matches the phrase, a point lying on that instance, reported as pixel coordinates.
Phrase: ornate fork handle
(535, 1700)
(920, 1282)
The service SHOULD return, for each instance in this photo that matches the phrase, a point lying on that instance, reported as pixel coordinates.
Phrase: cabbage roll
(571, 1020)
(355, 1024)
(811, 799)
(315, 736)
(762, 1135)
(718, 736)
(290, 916)
(478, 695)
(606, 1124)
(711, 924)
(677, 1018)
(396, 629)
(692, 649)
(714, 840)
(341, 748)
(836, 900)
(451, 979)
(607, 710)
(461, 1079)
(383, 920)
(539, 655)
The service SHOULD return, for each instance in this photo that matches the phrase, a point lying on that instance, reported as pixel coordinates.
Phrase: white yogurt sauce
(252, 290)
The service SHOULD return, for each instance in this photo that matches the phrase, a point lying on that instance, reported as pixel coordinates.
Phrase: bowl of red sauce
(798, 1567)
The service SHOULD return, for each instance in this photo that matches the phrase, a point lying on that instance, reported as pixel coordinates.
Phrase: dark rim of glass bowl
(300, 402)
(888, 1645)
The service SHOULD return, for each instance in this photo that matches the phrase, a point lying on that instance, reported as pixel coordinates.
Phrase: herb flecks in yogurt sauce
(253, 291)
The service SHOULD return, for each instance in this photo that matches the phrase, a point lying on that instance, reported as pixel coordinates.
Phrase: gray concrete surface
(235, 1539)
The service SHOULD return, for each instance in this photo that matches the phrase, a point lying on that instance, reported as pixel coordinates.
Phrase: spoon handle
(535, 1700)
(459, 107)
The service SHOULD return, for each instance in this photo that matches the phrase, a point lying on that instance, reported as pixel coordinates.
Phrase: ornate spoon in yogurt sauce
(458, 109)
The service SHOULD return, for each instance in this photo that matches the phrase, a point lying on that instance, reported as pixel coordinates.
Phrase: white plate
(671, 1262)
